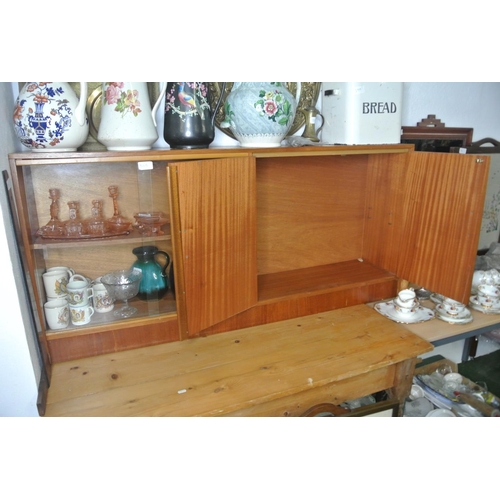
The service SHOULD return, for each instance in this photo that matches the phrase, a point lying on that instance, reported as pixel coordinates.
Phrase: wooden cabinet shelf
(321, 279)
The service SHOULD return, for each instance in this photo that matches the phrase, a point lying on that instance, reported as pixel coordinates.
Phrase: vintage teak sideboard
(256, 236)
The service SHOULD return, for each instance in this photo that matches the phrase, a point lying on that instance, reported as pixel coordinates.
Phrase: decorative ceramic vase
(259, 114)
(310, 132)
(189, 119)
(154, 283)
(49, 116)
(127, 121)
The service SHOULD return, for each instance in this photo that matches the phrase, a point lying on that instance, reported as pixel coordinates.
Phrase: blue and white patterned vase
(259, 114)
(50, 116)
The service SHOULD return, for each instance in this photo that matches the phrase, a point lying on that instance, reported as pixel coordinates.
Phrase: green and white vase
(259, 114)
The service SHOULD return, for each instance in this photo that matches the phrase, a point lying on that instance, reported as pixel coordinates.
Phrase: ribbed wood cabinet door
(214, 234)
(443, 202)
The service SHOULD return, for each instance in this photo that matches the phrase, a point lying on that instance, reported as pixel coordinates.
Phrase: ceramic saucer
(462, 318)
(476, 305)
(389, 310)
(437, 298)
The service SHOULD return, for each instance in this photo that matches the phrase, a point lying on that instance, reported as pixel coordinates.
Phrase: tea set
(487, 299)
(405, 308)
(451, 311)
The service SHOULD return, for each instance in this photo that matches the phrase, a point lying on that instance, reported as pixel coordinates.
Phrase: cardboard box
(361, 113)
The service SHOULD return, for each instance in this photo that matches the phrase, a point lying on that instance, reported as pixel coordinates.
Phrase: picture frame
(432, 135)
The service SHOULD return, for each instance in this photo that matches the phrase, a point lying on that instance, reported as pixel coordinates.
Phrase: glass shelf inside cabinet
(145, 309)
(135, 237)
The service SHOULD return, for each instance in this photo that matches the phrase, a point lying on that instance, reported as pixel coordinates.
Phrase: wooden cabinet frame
(265, 235)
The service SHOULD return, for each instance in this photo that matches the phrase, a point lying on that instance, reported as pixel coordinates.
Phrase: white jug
(49, 116)
(127, 121)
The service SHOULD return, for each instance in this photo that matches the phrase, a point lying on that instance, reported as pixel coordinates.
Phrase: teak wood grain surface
(274, 367)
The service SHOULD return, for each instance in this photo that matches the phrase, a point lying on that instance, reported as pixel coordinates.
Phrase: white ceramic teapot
(49, 116)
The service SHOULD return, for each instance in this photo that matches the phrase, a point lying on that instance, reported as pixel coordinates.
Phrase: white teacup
(488, 302)
(406, 297)
(103, 303)
(80, 315)
(79, 292)
(478, 278)
(452, 307)
(406, 302)
(55, 283)
(57, 313)
(488, 296)
(491, 291)
(495, 276)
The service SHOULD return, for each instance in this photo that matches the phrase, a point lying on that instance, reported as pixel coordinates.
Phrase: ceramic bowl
(440, 412)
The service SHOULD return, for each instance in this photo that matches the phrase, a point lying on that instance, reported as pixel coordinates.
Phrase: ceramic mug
(55, 283)
(69, 270)
(80, 315)
(79, 292)
(103, 303)
(57, 313)
(80, 277)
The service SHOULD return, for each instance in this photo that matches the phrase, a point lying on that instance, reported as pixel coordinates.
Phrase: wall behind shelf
(20, 366)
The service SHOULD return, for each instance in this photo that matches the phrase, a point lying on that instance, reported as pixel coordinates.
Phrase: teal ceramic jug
(154, 283)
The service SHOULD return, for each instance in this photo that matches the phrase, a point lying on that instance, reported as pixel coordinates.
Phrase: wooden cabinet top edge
(29, 158)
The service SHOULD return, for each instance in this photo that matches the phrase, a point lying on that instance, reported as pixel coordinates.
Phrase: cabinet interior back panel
(309, 211)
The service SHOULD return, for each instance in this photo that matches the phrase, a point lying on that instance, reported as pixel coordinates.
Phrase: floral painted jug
(260, 114)
(189, 117)
(127, 121)
(50, 116)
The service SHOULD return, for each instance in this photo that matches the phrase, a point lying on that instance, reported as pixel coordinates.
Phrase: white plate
(388, 310)
(437, 298)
